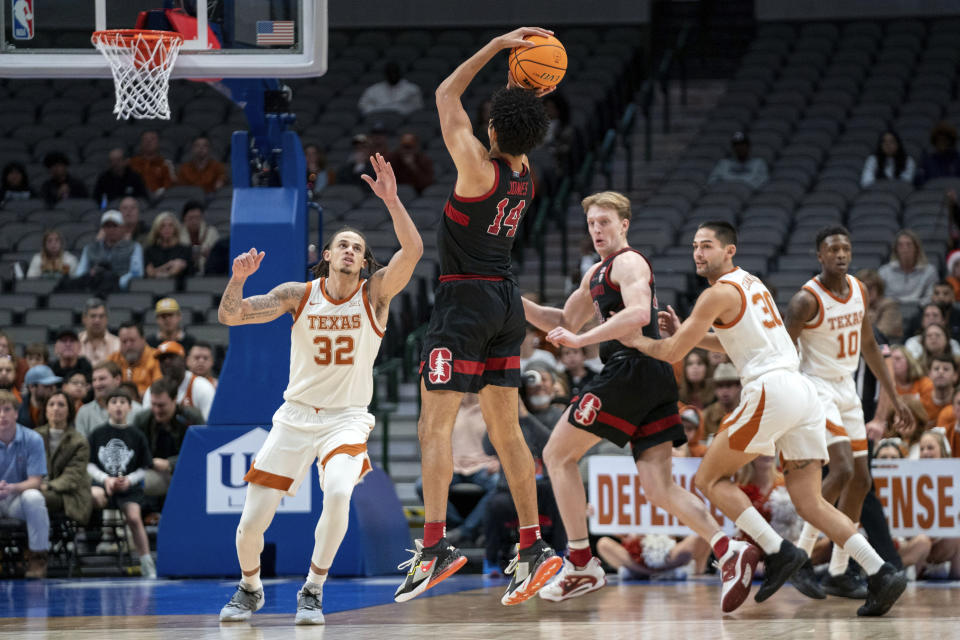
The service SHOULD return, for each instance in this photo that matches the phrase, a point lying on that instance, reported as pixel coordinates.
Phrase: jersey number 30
(512, 220)
(765, 302)
(339, 351)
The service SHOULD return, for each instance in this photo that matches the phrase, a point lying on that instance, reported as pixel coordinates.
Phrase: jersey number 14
(512, 220)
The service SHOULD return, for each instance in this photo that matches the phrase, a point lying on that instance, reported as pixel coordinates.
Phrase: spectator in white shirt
(888, 162)
(393, 94)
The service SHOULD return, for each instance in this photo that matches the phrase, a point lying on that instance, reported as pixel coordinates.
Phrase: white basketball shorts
(301, 435)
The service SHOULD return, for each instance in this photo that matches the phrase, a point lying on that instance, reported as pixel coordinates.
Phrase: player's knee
(704, 483)
(841, 469)
(555, 456)
(860, 483)
(337, 498)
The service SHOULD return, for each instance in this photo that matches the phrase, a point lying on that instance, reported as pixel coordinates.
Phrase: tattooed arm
(235, 309)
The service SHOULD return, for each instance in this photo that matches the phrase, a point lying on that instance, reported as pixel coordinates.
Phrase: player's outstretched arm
(235, 309)
(712, 304)
(632, 275)
(468, 154)
(803, 308)
(389, 281)
(575, 313)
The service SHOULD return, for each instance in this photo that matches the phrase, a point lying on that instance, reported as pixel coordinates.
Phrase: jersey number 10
(852, 346)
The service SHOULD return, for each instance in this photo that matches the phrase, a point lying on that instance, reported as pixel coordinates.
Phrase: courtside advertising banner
(919, 496)
(619, 505)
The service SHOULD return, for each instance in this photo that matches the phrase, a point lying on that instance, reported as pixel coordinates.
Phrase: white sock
(582, 543)
(861, 551)
(252, 582)
(808, 538)
(753, 524)
(317, 579)
(717, 537)
(838, 561)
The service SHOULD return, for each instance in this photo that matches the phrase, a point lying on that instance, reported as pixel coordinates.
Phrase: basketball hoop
(141, 62)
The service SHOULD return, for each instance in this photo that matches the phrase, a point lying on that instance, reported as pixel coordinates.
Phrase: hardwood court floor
(674, 611)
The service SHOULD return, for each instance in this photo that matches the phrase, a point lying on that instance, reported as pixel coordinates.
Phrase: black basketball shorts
(474, 336)
(634, 399)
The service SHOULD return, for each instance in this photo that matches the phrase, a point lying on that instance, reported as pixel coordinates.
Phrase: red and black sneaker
(428, 567)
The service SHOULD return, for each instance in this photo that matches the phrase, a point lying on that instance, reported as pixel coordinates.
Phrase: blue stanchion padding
(257, 365)
(198, 528)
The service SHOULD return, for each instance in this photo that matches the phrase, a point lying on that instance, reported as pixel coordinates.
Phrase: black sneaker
(428, 567)
(532, 569)
(805, 581)
(779, 567)
(849, 584)
(884, 587)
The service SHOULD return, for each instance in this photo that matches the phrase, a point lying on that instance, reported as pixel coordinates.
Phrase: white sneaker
(147, 567)
(572, 581)
(309, 605)
(242, 605)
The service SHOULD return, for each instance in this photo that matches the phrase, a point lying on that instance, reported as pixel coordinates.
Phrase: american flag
(275, 31)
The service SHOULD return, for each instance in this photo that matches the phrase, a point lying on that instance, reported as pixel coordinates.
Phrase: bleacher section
(814, 99)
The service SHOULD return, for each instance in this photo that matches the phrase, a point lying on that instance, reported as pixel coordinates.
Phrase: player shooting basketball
(473, 339)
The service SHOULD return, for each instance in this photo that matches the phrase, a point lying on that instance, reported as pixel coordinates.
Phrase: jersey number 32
(339, 351)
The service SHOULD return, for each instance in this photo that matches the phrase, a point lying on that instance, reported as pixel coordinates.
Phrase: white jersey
(830, 343)
(756, 339)
(333, 344)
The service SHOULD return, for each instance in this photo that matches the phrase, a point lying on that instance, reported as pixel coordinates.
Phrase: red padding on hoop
(187, 27)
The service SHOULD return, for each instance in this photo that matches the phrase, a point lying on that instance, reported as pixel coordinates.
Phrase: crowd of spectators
(98, 423)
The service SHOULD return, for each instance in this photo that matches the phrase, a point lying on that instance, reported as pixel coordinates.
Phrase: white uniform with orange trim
(778, 406)
(829, 355)
(333, 345)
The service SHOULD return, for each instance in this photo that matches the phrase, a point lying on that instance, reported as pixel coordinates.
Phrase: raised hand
(668, 321)
(385, 186)
(246, 264)
(516, 37)
(511, 84)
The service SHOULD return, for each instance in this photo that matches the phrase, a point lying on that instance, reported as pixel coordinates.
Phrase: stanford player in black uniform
(473, 340)
(633, 400)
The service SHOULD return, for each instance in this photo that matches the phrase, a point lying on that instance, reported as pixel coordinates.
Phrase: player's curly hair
(520, 120)
(832, 230)
(322, 268)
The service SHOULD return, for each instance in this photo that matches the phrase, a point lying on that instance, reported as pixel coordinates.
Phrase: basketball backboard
(251, 38)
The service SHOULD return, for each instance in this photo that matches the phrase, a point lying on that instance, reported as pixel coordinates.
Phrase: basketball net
(141, 62)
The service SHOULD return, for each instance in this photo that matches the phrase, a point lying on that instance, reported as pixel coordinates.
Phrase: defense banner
(919, 496)
(620, 507)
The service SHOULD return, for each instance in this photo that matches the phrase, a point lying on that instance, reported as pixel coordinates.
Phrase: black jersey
(476, 234)
(607, 300)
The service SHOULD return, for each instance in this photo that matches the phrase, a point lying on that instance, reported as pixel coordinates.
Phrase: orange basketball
(541, 66)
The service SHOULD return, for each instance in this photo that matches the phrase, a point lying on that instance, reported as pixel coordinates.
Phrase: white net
(141, 62)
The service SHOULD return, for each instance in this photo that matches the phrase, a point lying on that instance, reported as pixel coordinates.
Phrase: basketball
(541, 66)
